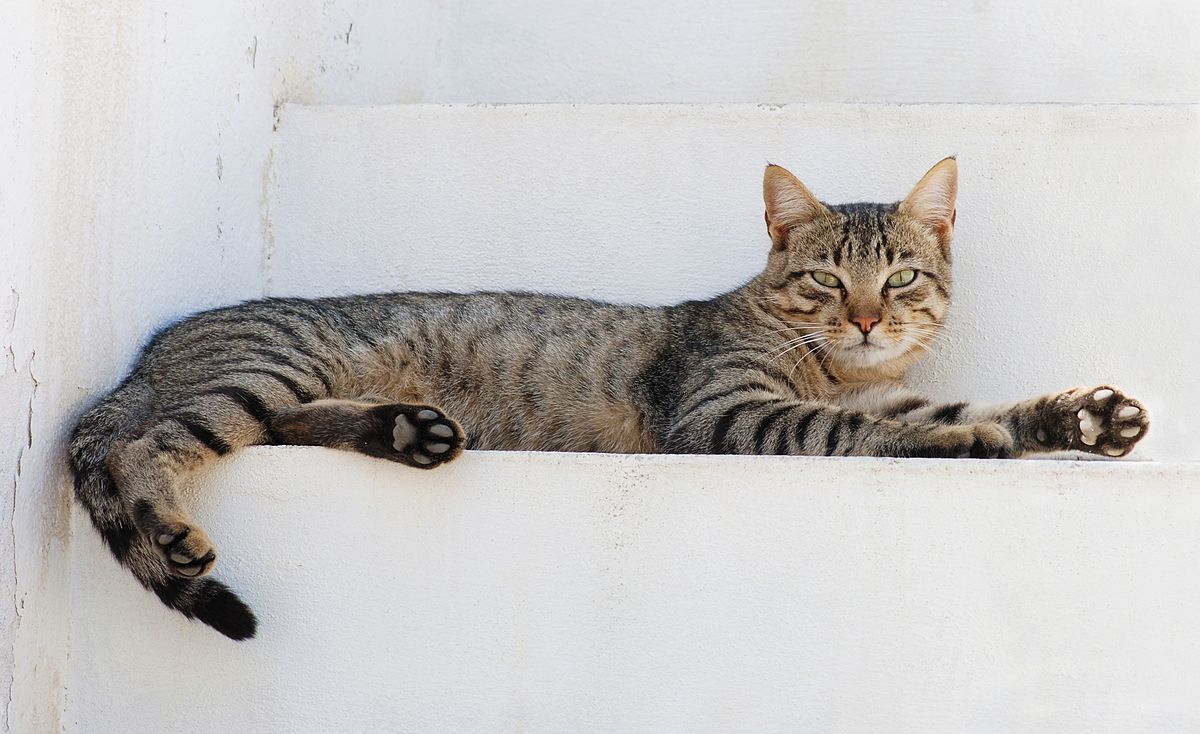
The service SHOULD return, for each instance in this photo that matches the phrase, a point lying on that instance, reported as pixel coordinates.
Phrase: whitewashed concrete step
(1076, 240)
(566, 592)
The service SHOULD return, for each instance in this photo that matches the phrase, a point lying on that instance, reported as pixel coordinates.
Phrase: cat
(806, 358)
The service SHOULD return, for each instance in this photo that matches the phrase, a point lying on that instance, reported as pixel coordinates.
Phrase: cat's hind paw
(185, 548)
(421, 435)
(1100, 420)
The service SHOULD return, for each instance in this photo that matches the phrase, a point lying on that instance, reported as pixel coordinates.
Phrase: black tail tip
(227, 614)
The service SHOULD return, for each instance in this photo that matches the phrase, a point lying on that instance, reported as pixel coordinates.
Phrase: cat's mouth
(867, 351)
(866, 344)
(865, 347)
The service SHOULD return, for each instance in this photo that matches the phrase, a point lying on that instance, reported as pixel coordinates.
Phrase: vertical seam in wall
(268, 191)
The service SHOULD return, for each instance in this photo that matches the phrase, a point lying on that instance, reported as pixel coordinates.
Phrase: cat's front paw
(1099, 420)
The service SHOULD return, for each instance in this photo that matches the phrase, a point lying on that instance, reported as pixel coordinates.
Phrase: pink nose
(865, 322)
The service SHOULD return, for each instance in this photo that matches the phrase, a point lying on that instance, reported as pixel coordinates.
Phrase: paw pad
(403, 434)
(1089, 427)
(441, 430)
(184, 548)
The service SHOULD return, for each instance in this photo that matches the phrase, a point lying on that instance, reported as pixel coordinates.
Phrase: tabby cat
(807, 358)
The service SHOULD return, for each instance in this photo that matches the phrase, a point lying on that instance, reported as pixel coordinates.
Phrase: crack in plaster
(18, 467)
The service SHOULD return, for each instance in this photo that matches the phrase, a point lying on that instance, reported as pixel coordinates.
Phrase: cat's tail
(100, 429)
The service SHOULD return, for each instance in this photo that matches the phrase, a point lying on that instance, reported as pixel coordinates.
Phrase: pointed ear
(931, 201)
(789, 203)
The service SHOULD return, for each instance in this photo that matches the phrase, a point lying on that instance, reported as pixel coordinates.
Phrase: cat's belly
(517, 425)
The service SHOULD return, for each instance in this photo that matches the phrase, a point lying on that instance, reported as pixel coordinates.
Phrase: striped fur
(782, 365)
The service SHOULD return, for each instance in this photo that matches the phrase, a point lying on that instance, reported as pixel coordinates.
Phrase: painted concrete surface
(135, 140)
(565, 592)
(1074, 242)
(1013, 51)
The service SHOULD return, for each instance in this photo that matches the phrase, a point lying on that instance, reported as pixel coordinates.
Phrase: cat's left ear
(931, 201)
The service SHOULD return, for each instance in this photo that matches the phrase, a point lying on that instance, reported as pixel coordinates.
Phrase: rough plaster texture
(1074, 223)
(567, 592)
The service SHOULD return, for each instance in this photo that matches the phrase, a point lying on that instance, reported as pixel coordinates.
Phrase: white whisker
(815, 348)
(796, 344)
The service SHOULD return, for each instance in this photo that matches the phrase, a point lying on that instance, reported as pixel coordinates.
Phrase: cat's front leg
(753, 422)
(1099, 420)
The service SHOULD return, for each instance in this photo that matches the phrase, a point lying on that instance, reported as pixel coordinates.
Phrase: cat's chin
(858, 356)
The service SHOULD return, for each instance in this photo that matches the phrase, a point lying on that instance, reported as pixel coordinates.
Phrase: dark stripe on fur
(948, 413)
(754, 365)
(853, 422)
(764, 427)
(202, 433)
(717, 445)
(728, 392)
(831, 438)
(906, 406)
(290, 335)
(282, 360)
(721, 429)
(783, 442)
(119, 534)
(248, 401)
(302, 394)
(882, 241)
(801, 429)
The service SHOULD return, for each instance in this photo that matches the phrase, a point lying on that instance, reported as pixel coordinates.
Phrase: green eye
(901, 278)
(826, 279)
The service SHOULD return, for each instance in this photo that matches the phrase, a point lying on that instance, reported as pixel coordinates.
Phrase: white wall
(759, 51)
(1074, 231)
(567, 592)
(135, 139)
(135, 169)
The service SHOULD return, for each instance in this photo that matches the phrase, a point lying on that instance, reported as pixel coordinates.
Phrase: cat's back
(344, 325)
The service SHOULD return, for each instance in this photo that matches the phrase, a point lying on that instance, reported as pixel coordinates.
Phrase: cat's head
(869, 282)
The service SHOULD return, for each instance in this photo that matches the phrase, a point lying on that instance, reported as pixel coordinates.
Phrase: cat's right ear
(789, 203)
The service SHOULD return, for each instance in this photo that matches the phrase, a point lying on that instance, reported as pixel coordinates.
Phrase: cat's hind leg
(420, 436)
(147, 468)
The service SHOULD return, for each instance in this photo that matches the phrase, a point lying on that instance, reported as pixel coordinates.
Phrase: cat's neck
(892, 370)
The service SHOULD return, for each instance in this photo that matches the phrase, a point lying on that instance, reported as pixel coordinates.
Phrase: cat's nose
(865, 322)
